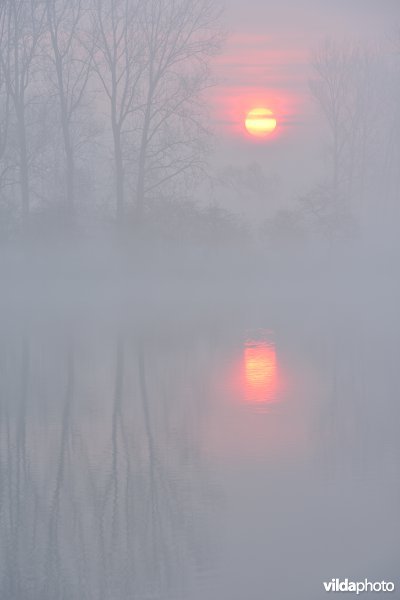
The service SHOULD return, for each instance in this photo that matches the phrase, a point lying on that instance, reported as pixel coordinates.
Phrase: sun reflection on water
(260, 369)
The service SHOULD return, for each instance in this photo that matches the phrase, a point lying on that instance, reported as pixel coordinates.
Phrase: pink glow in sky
(265, 60)
(255, 73)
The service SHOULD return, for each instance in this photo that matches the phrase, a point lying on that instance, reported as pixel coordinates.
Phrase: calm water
(214, 457)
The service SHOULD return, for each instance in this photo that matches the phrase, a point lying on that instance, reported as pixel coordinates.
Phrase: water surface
(216, 456)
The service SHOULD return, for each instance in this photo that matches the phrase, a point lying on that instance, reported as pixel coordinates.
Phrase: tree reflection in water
(103, 490)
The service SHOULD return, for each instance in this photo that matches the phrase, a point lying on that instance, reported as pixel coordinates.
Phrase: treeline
(356, 88)
(101, 107)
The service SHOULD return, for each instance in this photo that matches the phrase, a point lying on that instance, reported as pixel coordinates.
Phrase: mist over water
(198, 349)
(210, 453)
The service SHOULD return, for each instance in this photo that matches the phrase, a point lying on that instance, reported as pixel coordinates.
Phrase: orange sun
(260, 122)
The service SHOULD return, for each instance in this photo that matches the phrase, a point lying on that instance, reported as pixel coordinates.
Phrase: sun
(260, 122)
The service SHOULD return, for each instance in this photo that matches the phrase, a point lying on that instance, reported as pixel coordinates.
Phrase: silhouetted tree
(119, 62)
(351, 90)
(151, 58)
(23, 27)
(71, 66)
(179, 38)
(4, 98)
(333, 67)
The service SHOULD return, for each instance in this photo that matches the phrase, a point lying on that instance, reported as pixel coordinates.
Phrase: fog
(199, 332)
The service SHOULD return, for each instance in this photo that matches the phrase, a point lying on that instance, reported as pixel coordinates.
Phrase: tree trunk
(140, 190)
(68, 149)
(23, 168)
(140, 184)
(335, 163)
(69, 175)
(119, 175)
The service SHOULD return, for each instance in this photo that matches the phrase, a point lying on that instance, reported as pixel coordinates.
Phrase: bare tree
(72, 67)
(351, 88)
(4, 97)
(333, 67)
(151, 58)
(22, 29)
(179, 37)
(119, 62)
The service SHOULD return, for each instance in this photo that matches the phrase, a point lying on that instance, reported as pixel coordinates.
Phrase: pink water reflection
(259, 377)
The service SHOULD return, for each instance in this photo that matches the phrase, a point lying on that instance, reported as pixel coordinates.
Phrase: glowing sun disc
(260, 122)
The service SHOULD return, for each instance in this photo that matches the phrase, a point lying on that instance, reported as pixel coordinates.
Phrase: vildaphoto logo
(345, 585)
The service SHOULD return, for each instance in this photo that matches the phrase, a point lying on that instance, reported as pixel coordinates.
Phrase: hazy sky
(266, 55)
(265, 62)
